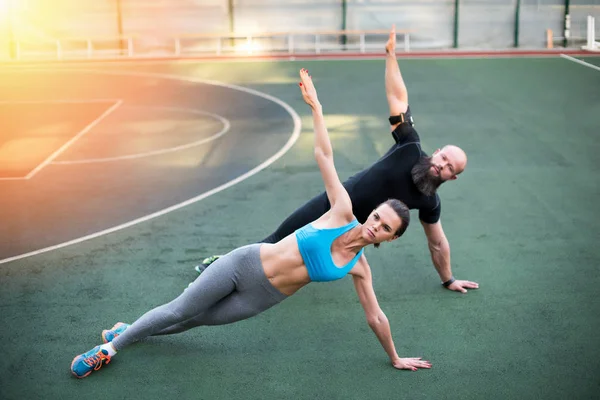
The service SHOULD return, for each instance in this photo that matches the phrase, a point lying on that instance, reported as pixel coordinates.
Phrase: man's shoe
(108, 335)
(86, 363)
(206, 262)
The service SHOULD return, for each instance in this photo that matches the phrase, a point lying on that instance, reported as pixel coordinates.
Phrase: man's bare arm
(395, 89)
(440, 255)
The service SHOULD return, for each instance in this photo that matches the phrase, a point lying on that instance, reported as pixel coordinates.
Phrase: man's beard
(426, 182)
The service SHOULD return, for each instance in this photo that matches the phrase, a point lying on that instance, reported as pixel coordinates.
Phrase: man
(405, 172)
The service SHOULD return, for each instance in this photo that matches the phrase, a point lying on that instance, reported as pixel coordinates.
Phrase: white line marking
(291, 141)
(74, 138)
(62, 101)
(580, 62)
(224, 121)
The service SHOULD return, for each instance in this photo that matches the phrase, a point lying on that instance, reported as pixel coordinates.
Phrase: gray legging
(237, 289)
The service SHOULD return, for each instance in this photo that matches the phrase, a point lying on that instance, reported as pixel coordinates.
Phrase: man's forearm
(394, 84)
(440, 255)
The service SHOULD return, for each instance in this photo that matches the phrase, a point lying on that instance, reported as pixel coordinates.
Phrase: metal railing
(217, 44)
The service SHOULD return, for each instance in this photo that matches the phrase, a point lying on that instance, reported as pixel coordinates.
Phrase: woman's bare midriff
(283, 265)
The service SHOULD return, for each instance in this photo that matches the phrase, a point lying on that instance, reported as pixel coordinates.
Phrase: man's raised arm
(395, 89)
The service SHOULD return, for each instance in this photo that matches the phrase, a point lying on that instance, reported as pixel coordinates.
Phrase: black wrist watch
(448, 282)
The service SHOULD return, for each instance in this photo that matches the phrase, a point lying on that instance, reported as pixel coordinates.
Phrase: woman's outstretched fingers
(304, 76)
(309, 93)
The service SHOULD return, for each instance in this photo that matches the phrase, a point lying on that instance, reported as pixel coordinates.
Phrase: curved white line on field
(291, 141)
(224, 121)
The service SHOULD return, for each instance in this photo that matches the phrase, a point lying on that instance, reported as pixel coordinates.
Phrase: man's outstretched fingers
(411, 363)
(467, 284)
(390, 46)
(457, 287)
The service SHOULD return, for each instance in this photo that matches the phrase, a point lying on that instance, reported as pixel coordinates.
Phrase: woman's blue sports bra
(315, 248)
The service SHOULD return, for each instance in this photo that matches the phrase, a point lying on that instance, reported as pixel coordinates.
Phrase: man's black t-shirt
(388, 178)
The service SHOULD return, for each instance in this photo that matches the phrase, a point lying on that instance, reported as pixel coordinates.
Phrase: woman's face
(382, 225)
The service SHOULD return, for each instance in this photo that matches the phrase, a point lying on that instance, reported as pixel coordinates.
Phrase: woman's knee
(180, 310)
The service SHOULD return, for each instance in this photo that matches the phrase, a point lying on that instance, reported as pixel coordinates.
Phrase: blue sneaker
(86, 363)
(108, 335)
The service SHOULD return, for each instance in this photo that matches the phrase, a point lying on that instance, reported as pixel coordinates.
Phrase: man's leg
(310, 211)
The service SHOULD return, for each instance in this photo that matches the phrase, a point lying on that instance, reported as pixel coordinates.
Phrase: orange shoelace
(96, 360)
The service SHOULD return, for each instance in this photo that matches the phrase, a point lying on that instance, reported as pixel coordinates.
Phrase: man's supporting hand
(410, 363)
(461, 286)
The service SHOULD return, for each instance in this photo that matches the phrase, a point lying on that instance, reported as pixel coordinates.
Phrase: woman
(253, 278)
